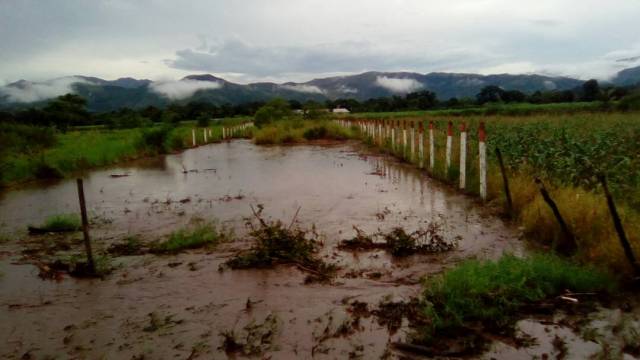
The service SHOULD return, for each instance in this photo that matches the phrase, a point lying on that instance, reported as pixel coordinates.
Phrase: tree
(67, 110)
(591, 90)
(276, 109)
(490, 93)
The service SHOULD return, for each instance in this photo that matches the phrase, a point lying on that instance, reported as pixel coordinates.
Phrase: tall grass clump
(203, 235)
(62, 223)
(300, 131)
(491, 293)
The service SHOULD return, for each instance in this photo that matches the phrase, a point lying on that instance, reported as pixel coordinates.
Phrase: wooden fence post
(463, 156)
(568, 246)
(628, 251)
(482, 157)
(505, 181)
(85, 227)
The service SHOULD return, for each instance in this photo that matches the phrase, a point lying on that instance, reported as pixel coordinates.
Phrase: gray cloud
(256, 40)
(182, 89)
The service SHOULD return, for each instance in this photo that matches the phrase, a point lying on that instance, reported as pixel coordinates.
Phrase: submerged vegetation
(275, 243)
(400, 243)
(202, 235)
(60, 223)
(491, 294)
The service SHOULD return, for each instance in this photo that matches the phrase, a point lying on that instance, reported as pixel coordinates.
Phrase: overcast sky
(298, 40)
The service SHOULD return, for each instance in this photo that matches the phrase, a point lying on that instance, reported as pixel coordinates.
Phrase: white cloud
(27, 92)
(401, 86)
(310, 89)
(182, 89)
(346, 90)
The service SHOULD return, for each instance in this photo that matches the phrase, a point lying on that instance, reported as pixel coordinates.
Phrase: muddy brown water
(191, 302)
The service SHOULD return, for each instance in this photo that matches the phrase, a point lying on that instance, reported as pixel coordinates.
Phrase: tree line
(70, 110)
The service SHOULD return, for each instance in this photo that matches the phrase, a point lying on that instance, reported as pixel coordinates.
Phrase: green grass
(204, 235)
(300, 131)
(62, 223)
(519, 109)
(492, 292)
(90, 148)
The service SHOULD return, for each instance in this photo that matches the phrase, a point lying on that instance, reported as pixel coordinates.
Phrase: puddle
(191, 303)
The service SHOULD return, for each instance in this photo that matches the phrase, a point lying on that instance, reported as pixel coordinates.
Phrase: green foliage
(276, 109)
(67, 110)
(296, 131)
(203, 120)
(630, 102)
(204, 235)
(155, 138)
(62, 222)
(492, 292)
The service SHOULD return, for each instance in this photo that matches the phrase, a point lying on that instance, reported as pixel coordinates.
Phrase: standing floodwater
(164, 306)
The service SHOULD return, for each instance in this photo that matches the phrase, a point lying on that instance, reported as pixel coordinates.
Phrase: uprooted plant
(400, 243)
(275, 243)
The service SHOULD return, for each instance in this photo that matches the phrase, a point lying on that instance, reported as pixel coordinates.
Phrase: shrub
(61, 223)
(155, 138)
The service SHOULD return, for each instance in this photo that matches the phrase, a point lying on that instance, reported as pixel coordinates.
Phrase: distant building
(340, 111)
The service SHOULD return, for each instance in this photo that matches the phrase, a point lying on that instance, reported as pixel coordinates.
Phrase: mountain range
(106, 95)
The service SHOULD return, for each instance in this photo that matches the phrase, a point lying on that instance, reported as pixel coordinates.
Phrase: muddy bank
(179, 306)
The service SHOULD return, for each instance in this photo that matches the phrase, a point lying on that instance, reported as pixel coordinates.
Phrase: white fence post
(448, 149)
(432, 148)
(193, 136)
(404, 139)
(204, 132)
(421, 145)
(482, 136)
(413, 142)
(463, 156)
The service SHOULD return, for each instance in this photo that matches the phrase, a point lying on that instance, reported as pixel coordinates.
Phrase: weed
(60, 223)
(274, 243)
(132, 245)
(400, 243)
(492, 292)
(203, 235)
(254, 339)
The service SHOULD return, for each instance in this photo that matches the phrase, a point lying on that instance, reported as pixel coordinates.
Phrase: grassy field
(297, 131)
(516, 109)
(566, 152)
(84, 149)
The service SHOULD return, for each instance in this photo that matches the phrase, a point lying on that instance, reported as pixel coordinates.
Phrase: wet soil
(182, 306)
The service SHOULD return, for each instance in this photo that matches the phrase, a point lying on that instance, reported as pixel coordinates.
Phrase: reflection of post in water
(421, 191)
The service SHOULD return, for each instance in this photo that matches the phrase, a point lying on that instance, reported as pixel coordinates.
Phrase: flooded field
(184, 306)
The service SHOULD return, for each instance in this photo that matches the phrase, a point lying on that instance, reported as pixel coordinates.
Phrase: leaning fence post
(482, 156)
(193, 136)
(628, 251)
(447, 155)
(85, 227)
(505, 181)
(463, 156)
(568, 246)
(432, 155)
